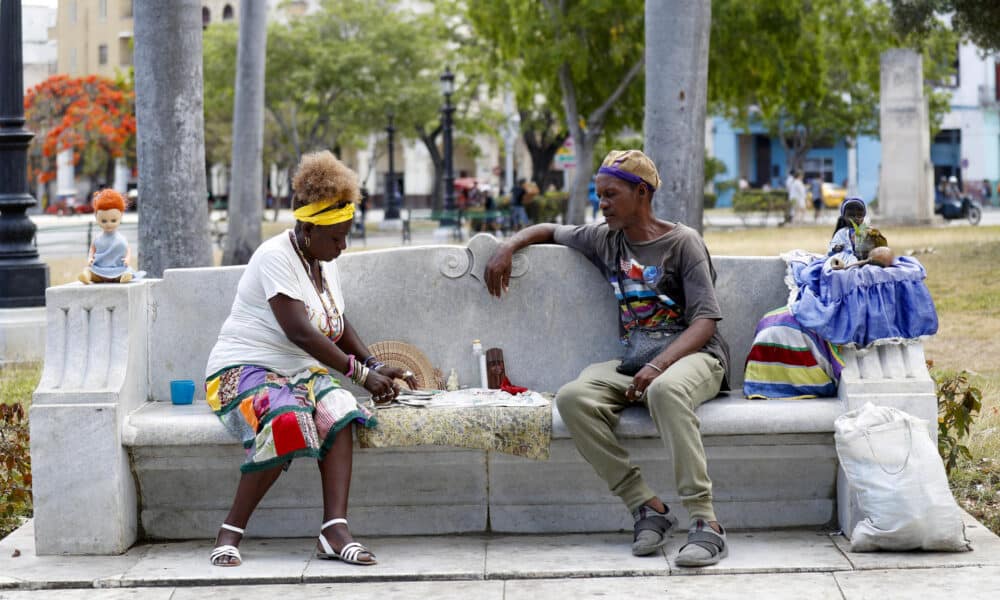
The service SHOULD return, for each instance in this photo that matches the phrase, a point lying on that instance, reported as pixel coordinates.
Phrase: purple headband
(629, 177)
(852, 200)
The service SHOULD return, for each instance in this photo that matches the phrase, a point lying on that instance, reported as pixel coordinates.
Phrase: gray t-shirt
(668, 282)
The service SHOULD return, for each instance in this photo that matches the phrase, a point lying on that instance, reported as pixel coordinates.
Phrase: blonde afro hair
(321, 176)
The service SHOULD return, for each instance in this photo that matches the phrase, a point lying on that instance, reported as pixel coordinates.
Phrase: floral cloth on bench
(520, 429)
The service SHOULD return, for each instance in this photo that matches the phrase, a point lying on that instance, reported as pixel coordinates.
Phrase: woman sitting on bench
(271, 376)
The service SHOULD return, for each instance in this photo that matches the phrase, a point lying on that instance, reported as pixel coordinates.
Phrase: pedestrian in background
(797, 198)
(817, 194)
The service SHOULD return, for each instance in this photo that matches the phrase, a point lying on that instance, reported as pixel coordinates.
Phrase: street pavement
(798, 563)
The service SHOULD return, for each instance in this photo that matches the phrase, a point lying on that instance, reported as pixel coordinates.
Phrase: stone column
(170, 136)
(65, 175)
(121, 175)
(906, 180)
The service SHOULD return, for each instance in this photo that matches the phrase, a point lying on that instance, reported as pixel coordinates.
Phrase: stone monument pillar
(65, 175)
(906, 180)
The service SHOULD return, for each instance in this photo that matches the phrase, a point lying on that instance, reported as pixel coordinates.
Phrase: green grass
(18, 381)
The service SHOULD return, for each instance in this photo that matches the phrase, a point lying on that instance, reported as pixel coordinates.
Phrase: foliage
(976, 20)
(608, 143)
(713, 168)
(334, 75)
(219, 49)
(15, 467)
(761, 201)
(331, 77)
(16, 385)
(583, 57)
(958, 404)
(810, 71)
(545, 208)
(93, 115)
(709, 200)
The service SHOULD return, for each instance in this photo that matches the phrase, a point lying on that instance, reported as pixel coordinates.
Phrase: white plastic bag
(899, 481)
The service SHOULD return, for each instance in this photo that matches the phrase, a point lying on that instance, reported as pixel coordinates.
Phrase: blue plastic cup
(182, 391)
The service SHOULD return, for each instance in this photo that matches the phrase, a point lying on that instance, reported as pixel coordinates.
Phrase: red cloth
(510, 388)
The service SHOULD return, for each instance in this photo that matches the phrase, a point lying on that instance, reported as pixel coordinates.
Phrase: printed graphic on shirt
(327, 321)
(640, 304)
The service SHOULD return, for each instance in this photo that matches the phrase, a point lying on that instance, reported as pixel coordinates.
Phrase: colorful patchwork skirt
(278, 418)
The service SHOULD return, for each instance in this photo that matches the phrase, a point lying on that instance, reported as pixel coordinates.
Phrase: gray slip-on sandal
(651, 530)
(704, 546)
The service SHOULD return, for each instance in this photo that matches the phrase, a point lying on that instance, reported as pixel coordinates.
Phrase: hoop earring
(308, 241)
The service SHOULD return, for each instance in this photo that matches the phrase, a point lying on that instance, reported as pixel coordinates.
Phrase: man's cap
(632, 166)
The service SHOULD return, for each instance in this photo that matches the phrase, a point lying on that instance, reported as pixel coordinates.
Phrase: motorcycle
(964, 207)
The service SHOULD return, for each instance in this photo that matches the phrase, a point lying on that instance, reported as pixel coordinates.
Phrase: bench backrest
(558, 317)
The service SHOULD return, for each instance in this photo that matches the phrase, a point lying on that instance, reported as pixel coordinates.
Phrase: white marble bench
(114, 461)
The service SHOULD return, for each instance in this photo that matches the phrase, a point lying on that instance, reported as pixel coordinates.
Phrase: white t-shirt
(797, 193)
(251, 335)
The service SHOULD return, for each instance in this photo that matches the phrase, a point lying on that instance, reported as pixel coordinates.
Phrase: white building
(38, 53)
(968, 144)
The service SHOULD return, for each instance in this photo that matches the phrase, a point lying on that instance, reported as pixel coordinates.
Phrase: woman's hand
(383, 389)
(397, 373)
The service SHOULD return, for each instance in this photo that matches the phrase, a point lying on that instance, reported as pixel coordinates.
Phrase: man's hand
(497, 274)
(640, 382)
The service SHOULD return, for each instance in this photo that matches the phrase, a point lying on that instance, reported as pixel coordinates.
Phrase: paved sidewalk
(762, 564)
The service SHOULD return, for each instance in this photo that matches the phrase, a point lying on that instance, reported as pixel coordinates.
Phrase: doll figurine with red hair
(109, 252)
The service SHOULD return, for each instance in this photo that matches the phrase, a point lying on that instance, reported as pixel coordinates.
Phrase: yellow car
(833, 195)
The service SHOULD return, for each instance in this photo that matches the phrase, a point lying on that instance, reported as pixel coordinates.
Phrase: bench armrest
(96, 357)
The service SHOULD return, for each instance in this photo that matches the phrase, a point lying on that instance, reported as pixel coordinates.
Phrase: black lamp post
(391, 200)
(23, 277)
(448, 88)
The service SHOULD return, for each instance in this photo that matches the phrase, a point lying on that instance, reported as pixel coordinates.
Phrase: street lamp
(391, 202)
(447, 89)
(23, 277)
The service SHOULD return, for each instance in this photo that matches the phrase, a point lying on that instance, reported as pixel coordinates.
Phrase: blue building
(967, 146)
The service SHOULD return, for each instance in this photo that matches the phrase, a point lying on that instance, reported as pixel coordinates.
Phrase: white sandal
(227, 550)
(349, 553)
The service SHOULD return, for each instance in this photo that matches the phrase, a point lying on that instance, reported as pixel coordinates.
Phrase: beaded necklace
(323, 290)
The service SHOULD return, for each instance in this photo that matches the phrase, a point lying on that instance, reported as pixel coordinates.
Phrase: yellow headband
(322, 212)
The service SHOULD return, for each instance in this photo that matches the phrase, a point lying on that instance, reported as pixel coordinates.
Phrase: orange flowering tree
(93, 115)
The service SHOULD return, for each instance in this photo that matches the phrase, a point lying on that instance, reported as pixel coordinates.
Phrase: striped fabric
(788, 361)
(651, 309)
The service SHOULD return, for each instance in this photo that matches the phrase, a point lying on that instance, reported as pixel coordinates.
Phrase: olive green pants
(591, 406)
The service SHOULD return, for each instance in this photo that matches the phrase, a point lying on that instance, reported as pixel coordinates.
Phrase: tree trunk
(109, 171)
(575, 208)
(579, 198)
(584, 140)
(676, 93)
(437, 191)
(245, 198)
(170, 130)
(542, 152)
